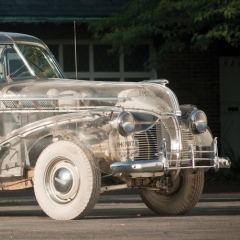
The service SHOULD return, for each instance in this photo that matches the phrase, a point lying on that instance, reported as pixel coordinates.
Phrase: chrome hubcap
(62, 180)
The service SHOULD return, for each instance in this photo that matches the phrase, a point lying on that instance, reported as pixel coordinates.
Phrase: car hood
(144, 95)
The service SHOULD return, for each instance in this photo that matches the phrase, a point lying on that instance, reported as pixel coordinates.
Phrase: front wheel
(66, 181)
(181, 198)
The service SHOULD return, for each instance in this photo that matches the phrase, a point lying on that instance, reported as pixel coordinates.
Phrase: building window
(103, 61)
(95, 63)
(107, 79)
(135, 79)
(54, 49)
(134, 62)
(69, 58)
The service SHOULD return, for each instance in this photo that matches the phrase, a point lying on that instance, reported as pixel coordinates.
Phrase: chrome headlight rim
(198, 121)
(123, 128)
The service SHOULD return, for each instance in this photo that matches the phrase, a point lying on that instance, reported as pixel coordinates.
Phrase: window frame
(91, 75)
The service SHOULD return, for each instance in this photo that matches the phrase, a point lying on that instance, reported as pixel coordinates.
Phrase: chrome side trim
(137, 166)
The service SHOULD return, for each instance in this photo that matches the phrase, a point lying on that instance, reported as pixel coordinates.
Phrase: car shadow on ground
(229, 209)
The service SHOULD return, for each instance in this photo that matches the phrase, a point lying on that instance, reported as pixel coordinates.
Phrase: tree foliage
(173, 25)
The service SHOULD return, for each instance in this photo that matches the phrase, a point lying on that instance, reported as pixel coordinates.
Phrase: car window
(40, 61)
(11, 64)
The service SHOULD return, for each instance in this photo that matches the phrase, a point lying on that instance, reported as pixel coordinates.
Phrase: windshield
(41, 62)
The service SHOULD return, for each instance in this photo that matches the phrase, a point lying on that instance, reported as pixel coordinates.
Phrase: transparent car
(71, 140)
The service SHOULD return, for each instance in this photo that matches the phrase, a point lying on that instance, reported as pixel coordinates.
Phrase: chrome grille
(27, 104)
(10, 104)
(46, 104)
(187, 138)
(163, 133)
(150, 140)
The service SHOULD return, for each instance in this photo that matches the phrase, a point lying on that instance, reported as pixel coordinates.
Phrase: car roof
(10, 38)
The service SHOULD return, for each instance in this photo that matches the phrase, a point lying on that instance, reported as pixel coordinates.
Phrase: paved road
(216, 216)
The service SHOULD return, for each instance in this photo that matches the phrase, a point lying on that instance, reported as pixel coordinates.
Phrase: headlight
(125, 123)
(198, 121)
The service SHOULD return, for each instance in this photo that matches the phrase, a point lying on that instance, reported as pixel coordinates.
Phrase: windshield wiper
(36, 65)
(8, 78)
(13, 73)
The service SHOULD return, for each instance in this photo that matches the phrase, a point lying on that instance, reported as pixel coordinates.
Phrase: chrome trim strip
(61, 98)
(137, 166)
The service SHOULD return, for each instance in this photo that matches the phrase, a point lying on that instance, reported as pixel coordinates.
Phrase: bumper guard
(162, 163)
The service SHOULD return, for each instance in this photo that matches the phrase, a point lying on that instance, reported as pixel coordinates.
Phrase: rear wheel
(181, 198)
(66, 181)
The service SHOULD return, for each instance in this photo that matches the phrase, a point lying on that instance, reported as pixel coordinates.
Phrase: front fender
(204, 142)
(34, 137)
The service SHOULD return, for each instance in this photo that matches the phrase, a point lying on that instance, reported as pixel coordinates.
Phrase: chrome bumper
(162, 163)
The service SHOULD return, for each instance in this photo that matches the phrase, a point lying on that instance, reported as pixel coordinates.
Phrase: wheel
(181, 198)
(66, 181)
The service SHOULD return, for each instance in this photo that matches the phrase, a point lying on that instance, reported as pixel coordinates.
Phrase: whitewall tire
(66, 181)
